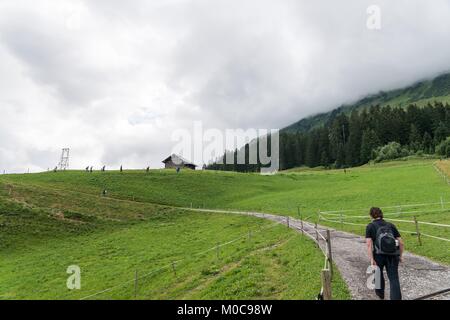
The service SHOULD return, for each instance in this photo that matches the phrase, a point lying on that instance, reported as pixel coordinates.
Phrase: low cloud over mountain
(113, 79)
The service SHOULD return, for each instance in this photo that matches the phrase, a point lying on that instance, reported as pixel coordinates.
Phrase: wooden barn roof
(180, 158)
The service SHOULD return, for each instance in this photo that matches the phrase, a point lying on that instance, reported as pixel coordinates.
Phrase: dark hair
(376, 213)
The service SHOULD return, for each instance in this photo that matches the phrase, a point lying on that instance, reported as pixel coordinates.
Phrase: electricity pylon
(64, 162)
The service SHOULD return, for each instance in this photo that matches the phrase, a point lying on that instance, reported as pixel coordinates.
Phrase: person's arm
(369, 244)
(400, 243)
(398, 237)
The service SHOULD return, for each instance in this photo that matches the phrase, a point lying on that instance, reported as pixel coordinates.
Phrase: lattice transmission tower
(64, 162)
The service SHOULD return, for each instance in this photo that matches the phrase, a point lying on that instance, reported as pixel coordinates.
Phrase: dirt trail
(418, 275)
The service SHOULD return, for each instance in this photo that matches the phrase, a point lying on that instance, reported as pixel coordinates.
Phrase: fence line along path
(419, 276)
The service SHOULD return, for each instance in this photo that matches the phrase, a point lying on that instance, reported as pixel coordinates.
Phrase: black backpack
(385, 242)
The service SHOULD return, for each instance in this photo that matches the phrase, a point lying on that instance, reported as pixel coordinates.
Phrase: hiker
(385, 249)
(87, 169)
(91, 169)
(103, 168)
(178, 169)
(148, 169)
(121, 169)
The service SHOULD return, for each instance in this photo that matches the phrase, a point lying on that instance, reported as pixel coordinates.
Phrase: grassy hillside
(43, 230)
(385, 184)
(389, 184)
(421, 93)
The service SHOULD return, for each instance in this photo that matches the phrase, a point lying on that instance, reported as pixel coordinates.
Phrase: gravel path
(419, 276)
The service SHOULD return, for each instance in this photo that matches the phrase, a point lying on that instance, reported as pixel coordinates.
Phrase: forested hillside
(414, 120)
(379, 133)
(352, 140)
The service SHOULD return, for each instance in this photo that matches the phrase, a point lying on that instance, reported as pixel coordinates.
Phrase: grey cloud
(56, 58)
(115, 89)
(250, 76)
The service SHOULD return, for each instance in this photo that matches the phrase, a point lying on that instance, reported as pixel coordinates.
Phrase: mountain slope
(127, 249)
(420, 94)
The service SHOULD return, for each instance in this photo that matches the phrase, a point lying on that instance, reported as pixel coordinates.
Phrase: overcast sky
(112, 79)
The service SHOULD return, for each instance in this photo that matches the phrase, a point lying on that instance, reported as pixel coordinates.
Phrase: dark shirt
(371, 229)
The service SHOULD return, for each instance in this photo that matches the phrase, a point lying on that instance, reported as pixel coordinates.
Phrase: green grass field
(44, 216)
(388, 184)
(43, 231)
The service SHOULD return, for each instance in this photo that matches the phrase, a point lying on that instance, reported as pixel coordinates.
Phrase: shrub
(443, 149)
(390, 151)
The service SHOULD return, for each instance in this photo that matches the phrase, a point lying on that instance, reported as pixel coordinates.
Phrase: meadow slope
(386, 185)
(50, 220)
(174, 254)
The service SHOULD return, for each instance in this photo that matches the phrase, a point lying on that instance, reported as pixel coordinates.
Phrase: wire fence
(172, 266)
(341, 217)
(441, 173)
(400, 208)
(131, 285)
(61, 264)
(315, 237)
(307, 228)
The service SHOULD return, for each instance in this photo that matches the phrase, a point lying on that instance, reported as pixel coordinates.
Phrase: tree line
(348, 140)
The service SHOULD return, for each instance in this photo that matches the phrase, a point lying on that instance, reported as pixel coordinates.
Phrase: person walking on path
(385, 249)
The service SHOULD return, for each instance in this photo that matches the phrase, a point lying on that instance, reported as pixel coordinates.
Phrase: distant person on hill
(178, 169)
(148, 169)
(121, 169)
(91, 169)
(385, 249)
(87, 169)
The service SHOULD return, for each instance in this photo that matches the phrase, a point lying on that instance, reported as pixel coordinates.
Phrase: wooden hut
(176, 161)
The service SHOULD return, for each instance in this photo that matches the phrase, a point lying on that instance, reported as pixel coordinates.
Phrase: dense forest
(347, 140)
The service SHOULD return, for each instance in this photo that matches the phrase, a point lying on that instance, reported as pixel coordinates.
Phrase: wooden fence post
(135, 283)
(301, 225)
(217, 251)
(173, 268)
(317, 233)
(326, 284)
(417, 231)
(330, 256)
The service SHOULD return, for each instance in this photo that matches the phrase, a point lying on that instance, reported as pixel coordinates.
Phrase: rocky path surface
(419, 276)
